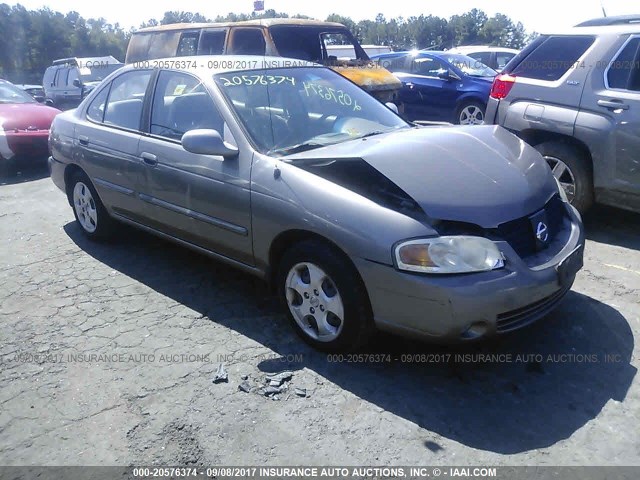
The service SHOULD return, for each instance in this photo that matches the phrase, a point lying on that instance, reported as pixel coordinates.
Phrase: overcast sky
(536, 15)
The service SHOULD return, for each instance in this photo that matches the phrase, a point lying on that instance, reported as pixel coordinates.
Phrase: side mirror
(449, 75)
(76, 83)
(392, 106)
(207, 142)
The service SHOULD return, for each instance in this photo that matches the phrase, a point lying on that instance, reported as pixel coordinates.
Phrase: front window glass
(11, 94)
(429, 67)
(624, 71)
(181, 104)
(288, 110)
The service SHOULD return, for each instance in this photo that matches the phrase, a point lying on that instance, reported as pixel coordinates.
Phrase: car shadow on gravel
(15, 172)
(526, 391)
(613, 226)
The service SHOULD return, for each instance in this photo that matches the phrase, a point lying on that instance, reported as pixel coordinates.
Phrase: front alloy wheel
(314, 302)
(325, 298)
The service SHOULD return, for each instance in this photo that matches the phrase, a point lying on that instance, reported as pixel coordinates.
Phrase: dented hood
(478, 174)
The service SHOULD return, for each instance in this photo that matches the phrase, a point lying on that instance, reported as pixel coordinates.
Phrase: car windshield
(11, 94)
(288, 110)
(98, 73)
(470, 66)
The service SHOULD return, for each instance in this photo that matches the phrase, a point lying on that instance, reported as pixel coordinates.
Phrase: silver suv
(575, 96)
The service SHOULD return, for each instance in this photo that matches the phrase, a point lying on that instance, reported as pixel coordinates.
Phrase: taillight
(502, 85)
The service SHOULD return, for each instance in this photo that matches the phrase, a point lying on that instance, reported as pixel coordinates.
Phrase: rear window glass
(624, 70)
(553, 57)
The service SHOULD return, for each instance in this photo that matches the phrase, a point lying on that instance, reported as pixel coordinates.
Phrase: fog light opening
(475, 330)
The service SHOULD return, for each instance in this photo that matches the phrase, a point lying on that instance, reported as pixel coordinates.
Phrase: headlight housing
(563, 194)
(451, 254)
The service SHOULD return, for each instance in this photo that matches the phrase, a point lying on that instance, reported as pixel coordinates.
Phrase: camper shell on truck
(294, 38)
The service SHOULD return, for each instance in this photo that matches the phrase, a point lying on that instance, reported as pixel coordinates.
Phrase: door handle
(84, 140)
(149, 158)
(615, 104)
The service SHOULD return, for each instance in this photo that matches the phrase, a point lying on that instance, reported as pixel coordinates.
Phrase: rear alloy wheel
(471, 113)
(324, 297)
(89, 211)
(572, 170)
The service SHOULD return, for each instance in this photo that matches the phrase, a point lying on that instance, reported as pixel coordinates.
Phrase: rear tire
(324, 297)
(90, 213)
(572, 170)
(470, 113)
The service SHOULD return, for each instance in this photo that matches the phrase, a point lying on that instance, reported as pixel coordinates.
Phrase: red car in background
(24, 125)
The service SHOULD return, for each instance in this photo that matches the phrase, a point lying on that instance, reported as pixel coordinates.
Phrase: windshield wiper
(301, 147)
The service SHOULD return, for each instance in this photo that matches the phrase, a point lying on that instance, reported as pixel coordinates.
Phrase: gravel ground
(108, 352)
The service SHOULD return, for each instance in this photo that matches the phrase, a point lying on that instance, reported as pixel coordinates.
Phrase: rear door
(202, 199)
(615, 97)
(107, 143)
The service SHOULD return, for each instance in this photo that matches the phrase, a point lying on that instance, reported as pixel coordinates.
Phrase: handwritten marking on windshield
(330, 95)
(251, 80)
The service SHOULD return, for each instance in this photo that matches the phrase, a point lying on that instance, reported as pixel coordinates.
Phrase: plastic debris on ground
(221, 375)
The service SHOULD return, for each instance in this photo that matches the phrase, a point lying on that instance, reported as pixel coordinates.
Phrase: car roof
(268, 22)
(206, 65)
(482, 48)
(436, 53)
(75, 61)
(613, 20)
(617, 29)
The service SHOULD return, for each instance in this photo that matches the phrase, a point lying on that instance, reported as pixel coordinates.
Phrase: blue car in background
(440, 86)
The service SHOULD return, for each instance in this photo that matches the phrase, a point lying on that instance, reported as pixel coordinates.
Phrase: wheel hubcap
(471, 115)
(564, 175)
(85, 207)
(314, 302)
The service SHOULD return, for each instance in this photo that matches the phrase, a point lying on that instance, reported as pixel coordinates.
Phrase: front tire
(90, 213)
(572, 170)
(325, 299)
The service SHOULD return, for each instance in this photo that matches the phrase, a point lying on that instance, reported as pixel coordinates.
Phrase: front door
(202, 199)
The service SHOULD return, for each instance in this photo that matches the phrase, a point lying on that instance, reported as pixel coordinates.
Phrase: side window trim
(614, 58)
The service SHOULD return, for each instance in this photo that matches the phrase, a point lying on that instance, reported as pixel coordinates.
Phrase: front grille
(522, 316)
(520, 235)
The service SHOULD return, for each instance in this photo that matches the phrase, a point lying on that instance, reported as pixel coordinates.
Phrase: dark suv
(68, 80)
(575, 96)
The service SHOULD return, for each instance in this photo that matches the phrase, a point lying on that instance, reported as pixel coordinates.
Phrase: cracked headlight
(455, 254)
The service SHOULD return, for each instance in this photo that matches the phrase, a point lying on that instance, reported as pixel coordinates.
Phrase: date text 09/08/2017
(311, 472)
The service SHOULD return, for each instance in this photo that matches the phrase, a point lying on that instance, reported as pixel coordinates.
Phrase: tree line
(34, 38)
